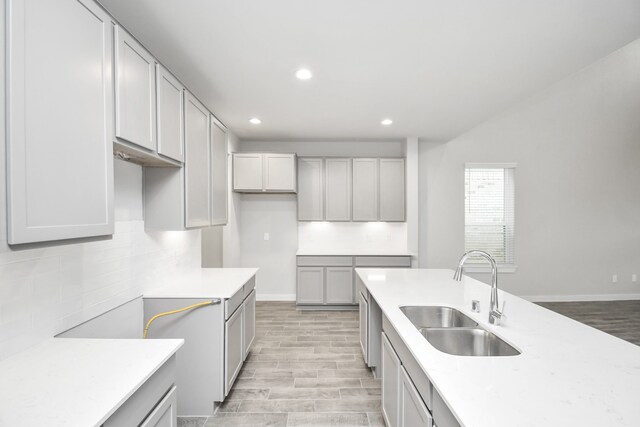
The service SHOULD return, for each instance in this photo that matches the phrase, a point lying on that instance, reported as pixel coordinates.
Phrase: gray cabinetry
(363, 310)
(135, 92)
(219, 160)
(197, 202)
(279, 172)
(310, 286)
(310, 189)
(249, 322)
(233, 347)
(264, 172)
(59, 120)
(339, 285)
(365, 189)
(338, 189)
(170, 115)
(392, 190)
(413, 411)
(166, 413)
(390, 384)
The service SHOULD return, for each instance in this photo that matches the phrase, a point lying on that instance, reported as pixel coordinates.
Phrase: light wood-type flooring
(305, 369)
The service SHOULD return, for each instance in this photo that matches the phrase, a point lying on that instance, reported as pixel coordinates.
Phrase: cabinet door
(59, 120)
(165, 414)
(170, 115)
(249, 322)
(390, 384)
(219, 188)
(413, 412)
(339, 285)
(233, 348)
(247, 172)
(310, 190)
(365, 189)
(196, 166)
(135, 92)
(364, 315)
(279, 172)
(338, 189)
(310, 285)
(392, 190)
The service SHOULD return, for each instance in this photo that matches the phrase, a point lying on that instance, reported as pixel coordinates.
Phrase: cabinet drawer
(325, 261)
(249, 286)
(231, 304)
(383, 261)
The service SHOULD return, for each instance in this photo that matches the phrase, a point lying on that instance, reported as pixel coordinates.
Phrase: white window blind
(489, 211)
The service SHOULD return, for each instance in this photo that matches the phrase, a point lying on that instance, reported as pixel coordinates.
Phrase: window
(489, 211)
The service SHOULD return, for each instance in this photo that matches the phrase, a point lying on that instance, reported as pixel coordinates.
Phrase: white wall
(577, 146)
(257, 214)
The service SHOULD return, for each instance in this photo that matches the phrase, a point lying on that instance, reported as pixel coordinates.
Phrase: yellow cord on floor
(166, 313)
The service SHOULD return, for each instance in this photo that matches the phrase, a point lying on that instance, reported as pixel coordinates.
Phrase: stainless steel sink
(467, 342)
(433, 316)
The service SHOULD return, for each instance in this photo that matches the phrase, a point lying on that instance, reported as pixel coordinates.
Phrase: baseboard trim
(275, 297)
(592, 297)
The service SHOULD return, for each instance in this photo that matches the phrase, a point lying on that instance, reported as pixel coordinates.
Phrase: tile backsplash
(44, 291)
(369, 236)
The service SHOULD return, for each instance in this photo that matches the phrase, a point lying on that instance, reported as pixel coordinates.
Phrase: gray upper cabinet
(264, 172)
(365, 189)
(392, 189)
(60, 89)
(135, 92)
(279, 172)
(247, 172)
(170, 103)
(219, 158)
(197, 154)
(338, 189)
(310, 189)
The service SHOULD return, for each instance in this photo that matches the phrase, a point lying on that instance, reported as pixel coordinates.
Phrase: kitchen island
(567, 373)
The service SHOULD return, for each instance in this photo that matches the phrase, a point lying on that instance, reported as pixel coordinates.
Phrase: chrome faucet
(494, 312)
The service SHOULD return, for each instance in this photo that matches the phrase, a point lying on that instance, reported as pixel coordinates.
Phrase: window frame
(483, 267)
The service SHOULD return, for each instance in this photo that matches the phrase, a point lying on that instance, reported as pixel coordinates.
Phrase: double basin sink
(451, 331)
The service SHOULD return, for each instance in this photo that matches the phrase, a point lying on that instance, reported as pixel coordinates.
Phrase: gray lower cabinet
(249, 322)
(391, 375)
(310, 286)
(234, 350)
(153, 403)
(413, 411)
(59, 102)
(363, 312)
(339, 285)
(166, 413)
(402, 405)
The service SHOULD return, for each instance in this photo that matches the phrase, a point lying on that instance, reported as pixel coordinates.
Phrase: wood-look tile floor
(618, 318)
(305, 369)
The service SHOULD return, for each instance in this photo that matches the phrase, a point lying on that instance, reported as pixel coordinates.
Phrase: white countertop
(351, 252)
(204, 283)
(568, 374)
(76, 382)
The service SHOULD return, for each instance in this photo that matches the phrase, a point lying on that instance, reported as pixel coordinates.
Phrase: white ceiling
(437, 68)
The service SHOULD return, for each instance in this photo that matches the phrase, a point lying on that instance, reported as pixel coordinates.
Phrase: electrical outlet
(266, 236)
(634, 278)
(614, 278)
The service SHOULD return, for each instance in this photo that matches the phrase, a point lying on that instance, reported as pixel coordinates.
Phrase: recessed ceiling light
(303, 74)
(386, 122)
(255, 121)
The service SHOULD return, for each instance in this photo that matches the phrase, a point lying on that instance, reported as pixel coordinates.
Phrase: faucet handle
(475, 306)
